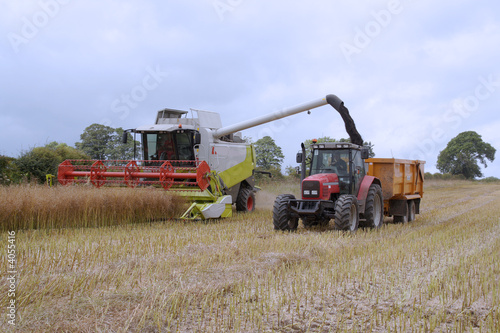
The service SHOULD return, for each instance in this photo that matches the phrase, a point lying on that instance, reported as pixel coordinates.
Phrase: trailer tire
(346, 213)
(411, 211)
(281, 214)
(374, 211)
(245, 202)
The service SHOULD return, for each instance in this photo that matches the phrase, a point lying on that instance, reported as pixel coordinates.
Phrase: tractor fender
(363, 190)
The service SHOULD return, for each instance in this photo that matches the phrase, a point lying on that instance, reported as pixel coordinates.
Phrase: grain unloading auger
(210, 165)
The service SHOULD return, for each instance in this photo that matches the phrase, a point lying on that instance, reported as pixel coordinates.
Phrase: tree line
(460, 157)
(98, 142)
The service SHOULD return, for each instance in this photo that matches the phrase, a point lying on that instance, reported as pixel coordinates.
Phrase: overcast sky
(413, 73)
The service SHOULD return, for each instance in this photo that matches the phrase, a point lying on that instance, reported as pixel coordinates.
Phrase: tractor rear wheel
(374, 211)
(245, 202)
(281, 214)
(346, 213)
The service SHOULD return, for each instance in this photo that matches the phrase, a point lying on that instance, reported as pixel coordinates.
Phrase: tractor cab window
(168, 145)
(330, 161)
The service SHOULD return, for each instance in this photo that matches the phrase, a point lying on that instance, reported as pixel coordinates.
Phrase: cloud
(256, 58)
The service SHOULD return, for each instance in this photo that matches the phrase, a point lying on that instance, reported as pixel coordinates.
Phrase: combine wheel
(246, 200)
(281, 215)
(374, 211)
(346, 213)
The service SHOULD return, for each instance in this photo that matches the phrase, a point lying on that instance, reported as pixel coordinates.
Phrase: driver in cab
(339, 163)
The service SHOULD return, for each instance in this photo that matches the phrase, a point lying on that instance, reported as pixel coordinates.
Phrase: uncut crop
(40, 207)
(439, 273)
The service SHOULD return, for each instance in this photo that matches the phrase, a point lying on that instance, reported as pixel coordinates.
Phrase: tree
(9, 173)
(462, 153)
(40, 161)
(102, 142)
(268, 155)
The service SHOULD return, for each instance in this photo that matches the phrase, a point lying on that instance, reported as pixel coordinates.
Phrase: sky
(413, 73)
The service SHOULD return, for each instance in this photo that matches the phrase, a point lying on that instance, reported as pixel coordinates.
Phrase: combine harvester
(210, 165)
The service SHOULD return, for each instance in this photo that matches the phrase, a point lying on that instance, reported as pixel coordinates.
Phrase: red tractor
(346, 185)
(338, 188)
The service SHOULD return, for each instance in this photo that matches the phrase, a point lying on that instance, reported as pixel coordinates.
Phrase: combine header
(210, 165)
(183, 174)
(190, 179)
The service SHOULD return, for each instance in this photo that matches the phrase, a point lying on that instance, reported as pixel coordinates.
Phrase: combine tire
(346, 213)
(374, 211)
(246, 200)
(281, 214)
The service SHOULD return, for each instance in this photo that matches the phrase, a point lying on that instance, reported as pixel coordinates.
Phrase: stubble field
(438, 273)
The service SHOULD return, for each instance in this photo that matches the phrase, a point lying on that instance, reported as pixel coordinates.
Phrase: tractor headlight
(310, 188)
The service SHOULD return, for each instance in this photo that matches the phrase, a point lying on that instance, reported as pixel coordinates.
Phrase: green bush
(9, 172)
(40, 161)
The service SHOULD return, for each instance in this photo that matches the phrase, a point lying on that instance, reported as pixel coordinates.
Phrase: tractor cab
(345, 160)
(334, 169)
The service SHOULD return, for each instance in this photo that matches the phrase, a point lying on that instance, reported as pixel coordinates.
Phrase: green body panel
(202, 200)
(241, 171)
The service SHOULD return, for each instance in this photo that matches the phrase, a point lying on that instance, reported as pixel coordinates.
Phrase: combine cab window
(168, 146)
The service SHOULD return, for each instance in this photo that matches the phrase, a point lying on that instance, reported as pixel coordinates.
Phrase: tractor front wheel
(281, 214)
(346, 213)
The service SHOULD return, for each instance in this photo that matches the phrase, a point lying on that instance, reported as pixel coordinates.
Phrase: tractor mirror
(365, 153)
(300, 157)
(125, 137)
(196, 138)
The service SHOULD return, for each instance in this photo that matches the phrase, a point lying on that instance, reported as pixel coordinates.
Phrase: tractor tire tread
(373, 191)
(343, 211)
(281, 215)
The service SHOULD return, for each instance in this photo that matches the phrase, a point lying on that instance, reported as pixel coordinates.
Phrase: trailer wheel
(374, 211)
(281, 214)
(411, 211)
(346, 213)
(246, 200)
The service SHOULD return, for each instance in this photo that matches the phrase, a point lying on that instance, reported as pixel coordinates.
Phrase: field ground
(438, 273)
